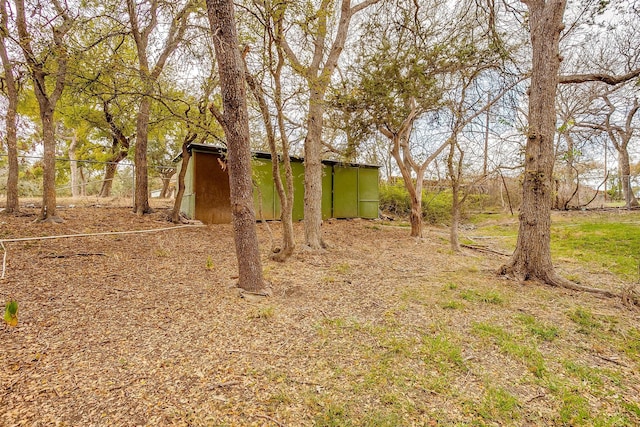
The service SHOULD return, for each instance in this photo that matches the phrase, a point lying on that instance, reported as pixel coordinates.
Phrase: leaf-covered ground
(381, 330)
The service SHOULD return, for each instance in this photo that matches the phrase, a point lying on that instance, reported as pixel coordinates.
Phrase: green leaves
(11, 313)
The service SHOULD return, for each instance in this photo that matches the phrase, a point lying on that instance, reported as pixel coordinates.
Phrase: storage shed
(348, 190)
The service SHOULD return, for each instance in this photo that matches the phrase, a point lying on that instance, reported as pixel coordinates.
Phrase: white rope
(4, 258)
(63, 236)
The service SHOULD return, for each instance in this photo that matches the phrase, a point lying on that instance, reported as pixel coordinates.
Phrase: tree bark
(285, 196)
(625, 174)
(532, 256)
(165, 176)
(186, 157)
(39, 71)
(141, 204)
(318, 76)
(119, 149)
(236, 127)
(109, 176)
(12, 202)
(149, 76)
(313, 172)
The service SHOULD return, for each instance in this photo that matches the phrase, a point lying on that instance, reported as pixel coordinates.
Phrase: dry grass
(143, 329)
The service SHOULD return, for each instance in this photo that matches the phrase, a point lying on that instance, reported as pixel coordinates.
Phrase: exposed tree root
(50, 220)
(629, 295)
(484, 249)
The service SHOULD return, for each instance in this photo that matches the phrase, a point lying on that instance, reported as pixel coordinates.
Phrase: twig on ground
(485, 249)
(258, 353)
(267, 417)
(71, 255)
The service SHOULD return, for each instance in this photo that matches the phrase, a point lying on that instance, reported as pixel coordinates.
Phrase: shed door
(345, 192)
(368, 193)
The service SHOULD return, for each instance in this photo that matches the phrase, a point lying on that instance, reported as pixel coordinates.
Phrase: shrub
(436, 206)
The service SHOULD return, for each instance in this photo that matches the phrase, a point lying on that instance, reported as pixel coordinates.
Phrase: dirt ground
(145, 329)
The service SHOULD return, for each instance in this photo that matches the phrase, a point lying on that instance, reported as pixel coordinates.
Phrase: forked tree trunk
(39, 72)
(12, 203)
(165, 175)
(119, 149)
(413, 188)
(149, 75)
(285, 196)
(235, 122)
(318, 76)
(532, 256)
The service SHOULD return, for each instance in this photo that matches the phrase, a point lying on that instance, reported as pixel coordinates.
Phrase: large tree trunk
(141, 204)
(39, 72)
(12, 203)
(625, 174)
(532, 256)
(236, 126)
(313, 172)
(48, 212)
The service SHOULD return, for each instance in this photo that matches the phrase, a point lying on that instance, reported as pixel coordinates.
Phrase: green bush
(436, 206)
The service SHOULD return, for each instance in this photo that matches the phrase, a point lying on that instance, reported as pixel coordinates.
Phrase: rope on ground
(64, 236)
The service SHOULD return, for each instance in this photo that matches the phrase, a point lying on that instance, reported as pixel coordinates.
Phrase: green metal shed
(348, 190)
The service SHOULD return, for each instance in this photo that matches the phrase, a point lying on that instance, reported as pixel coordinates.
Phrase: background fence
(86, 178)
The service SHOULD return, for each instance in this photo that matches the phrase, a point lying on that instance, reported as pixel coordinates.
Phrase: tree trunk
(39, 71)
(532, 256)
(141, 204)
(186, 156)
(414, 190)
(12, 203)
(285, 196)
(454, 175)
(48, 212)
(625, 174)
(236, 126)
(165, 176)
(415, 216)
(107, 182)
(313, 172)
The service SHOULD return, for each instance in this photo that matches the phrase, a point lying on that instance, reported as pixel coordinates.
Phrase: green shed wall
(348, 191)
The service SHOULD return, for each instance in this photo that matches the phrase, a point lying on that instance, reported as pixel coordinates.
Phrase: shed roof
(216, 149)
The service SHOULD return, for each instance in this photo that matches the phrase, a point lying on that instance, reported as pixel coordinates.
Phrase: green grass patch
(443, 352)
(499, 405)
(512, 346)
(608, 242)
(584, 373)
(600, 241)
(488, 297)
(452, 305)
(631, 344)
(539, 330)
(585, 320)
